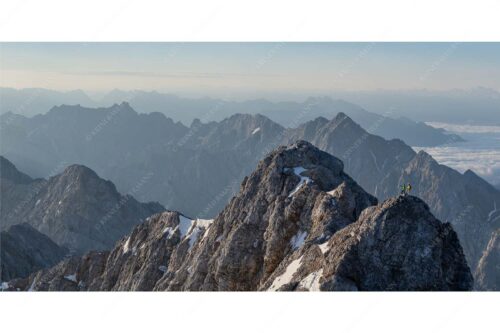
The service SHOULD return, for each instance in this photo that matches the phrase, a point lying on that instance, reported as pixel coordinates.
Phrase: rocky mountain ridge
(210, 159)
(298, 223)
(380, 166)
(186, 110)
(77, 209)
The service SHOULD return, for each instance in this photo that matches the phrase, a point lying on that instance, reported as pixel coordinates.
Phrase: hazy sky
(216, 68)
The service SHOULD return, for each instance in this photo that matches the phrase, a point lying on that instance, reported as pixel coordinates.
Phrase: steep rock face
(283, 204)
(23, 250)
(76, 209)
(467, 201)
(140, 260)
(69, 275)
(397, 245)
(137, 262)
(488, 270)
(298, 194)
(380, 166)
(369, 159)
(81, 211)
(298, 223)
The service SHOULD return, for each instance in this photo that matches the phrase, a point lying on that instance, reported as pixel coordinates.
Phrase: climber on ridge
(405, 189)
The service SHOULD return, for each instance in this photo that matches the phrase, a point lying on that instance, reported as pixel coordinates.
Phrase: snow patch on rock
(492, 212)
(287, 276)
(303, 179)
(324, 247)
(71, 277)
(197, 226)
(311, 282)
(184, 225)
(32, 286)
(298, 240)
(126, 245)
(170, 231)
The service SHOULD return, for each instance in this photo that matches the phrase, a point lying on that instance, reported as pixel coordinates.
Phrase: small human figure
(408, 188)
(403, 189)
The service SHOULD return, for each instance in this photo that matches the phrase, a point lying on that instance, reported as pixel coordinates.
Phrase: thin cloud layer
(480, 153)
(465, 128)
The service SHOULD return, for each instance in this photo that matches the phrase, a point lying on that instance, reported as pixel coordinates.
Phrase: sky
(214, 69)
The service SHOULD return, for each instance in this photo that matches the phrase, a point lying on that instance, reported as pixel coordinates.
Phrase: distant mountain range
(478, 105)
(197, 170)
(33, 101)
(298, 223)
(29, 102)
(474, 106)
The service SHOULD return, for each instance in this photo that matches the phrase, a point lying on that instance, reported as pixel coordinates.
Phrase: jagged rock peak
(423, 156)
(407, 204)
(250, 123)
(297, 196)
(342, 118)
(397, 245)
(298, 223)
(304, 154)
(341, 123)
(80, 174)
(124, 107)
(78, 169)
(81, 211)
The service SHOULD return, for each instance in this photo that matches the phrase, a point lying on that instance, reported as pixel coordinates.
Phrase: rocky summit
(299, 222)
(381, 166)
(397, 245)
